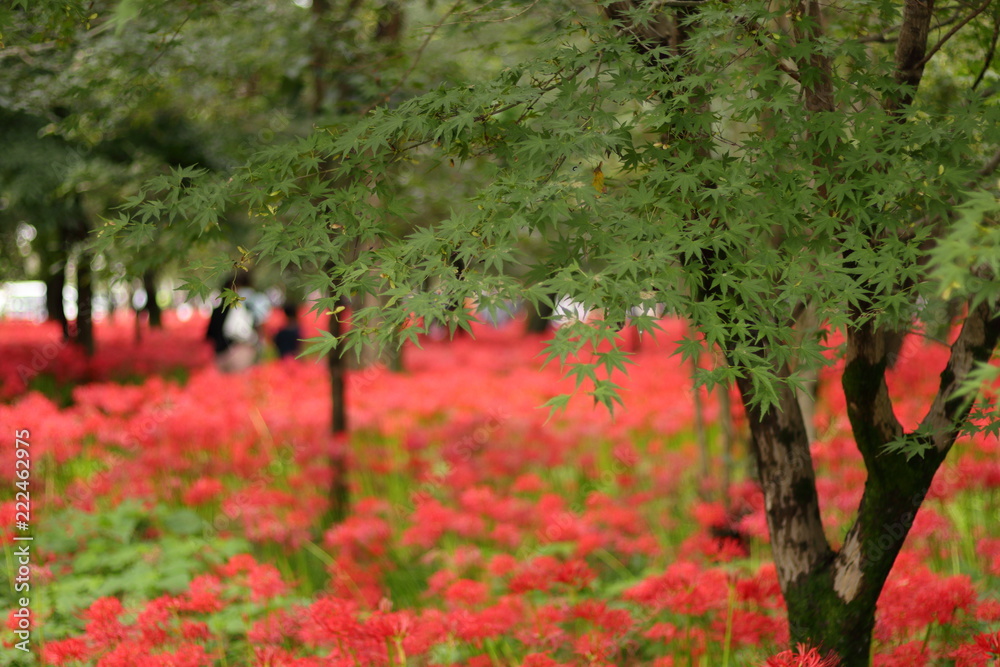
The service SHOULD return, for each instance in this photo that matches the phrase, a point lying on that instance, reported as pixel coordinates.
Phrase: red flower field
(178, 518)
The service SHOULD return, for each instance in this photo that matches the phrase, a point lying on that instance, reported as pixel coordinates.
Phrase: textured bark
(911, 49)
(816, 70)
(974, 346)
(831, 596)
(781, 450)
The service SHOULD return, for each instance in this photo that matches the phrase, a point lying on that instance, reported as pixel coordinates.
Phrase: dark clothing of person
(287, 340)
(215, 325)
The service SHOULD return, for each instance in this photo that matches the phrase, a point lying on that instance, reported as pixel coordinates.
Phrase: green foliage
(564, 159)
(129, 552)
(626, 180)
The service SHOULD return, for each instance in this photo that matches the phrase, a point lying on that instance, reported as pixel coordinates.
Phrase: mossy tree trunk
(831, 595)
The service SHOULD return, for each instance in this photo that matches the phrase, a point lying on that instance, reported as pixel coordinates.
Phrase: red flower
(103, 626)
(65, 650)
(801, 657)
(467, 592)
(910, 654)
(202, 491)
(576, 574)
(202, 596)
(990, 643)
(194, 630)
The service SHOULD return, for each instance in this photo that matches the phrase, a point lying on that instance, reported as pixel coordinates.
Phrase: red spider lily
(910, 654)
(984, 651)
(467, 593)
(683, 588)
(65, 651)
(801, 656)
(103, 627)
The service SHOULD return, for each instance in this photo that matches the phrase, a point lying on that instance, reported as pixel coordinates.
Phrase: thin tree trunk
(152, 307)
(339, 487)
(74, 231)
(55, 283)
(538, 321)
(397, 359)
(726, 420)
(704, 456)
(85, 304)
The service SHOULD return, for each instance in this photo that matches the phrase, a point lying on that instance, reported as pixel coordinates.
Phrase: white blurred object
(23, 300)
(567, 311)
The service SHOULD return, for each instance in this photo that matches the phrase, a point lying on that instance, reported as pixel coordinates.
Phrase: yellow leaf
(599, 178)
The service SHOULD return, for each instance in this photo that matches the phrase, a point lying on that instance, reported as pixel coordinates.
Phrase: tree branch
(975, 345)
(780, 446)
(988, 168)
(880, 38)
(657, 33)
(869, 406)
(897, 484)
(989, 53)
(951, 33)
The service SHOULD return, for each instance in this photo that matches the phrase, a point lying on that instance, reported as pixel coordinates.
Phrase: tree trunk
(397, 360)
(538, 321)
(85, 304)
(728, 437)
(389, 357)
(73, 232)
(701, 437)
(55, 283)
(831, 596)
(339, 487)
(152, 307)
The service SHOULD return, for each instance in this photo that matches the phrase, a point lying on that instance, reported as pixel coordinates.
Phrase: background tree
(138, 90)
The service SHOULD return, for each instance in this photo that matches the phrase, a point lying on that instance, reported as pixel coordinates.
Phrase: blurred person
(287, 340)
(235, 330)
